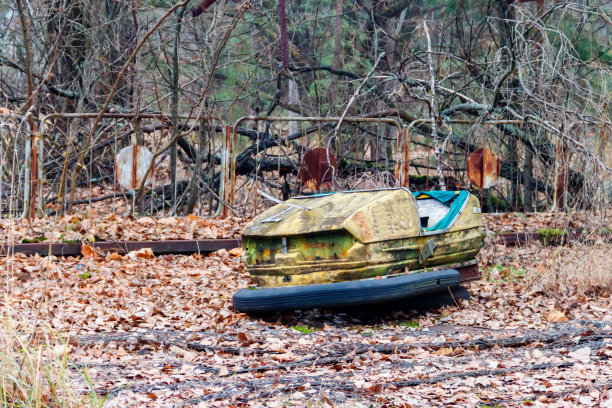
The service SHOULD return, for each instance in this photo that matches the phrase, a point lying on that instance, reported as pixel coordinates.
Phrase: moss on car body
(353, 235)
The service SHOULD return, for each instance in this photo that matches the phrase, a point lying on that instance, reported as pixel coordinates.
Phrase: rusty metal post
(403, 162)
(33, 171)
(39, 194)
(234, 151)
(561, 181)
(225, 168)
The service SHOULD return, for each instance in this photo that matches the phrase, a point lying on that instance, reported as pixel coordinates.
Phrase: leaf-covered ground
(161, 331)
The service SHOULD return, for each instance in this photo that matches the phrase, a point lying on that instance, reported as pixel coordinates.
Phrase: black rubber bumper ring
(342, 294)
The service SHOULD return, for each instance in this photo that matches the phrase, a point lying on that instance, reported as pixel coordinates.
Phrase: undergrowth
(579, 269)
(35, 370)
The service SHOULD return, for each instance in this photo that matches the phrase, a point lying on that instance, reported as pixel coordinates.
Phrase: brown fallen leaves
(113, 256)
(144, 253)
(87, 251)
(235, 252)
(91, 226)
(190, 296)
(556, 316)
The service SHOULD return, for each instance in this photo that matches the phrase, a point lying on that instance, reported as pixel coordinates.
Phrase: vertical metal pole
(27, 176)
(226, 169)
(34, 173)
(233, 151)
(556, 176)
(403, 165)
(41, 203)
(406, 157)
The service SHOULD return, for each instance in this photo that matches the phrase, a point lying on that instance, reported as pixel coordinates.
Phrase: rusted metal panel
(131, 165)
(515, 238)
(123, 247)
(483, 168)
(317, 169)
(469, 272)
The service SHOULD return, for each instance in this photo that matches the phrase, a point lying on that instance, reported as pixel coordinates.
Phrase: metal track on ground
(123, 247)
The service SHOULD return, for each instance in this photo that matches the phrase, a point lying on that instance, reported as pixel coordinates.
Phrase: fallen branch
(478, 373)
(606, 385)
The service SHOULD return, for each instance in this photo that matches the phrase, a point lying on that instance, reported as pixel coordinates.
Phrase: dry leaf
(146, 253)
(235, 252)
(375, 388)
(223, 371)
(556, 316)
(168, 221)
(582, 354)
(444, 351)
(327, 402)
(113, 256)
(87, 251)
(546, 383)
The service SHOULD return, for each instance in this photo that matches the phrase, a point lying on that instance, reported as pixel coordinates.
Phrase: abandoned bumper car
(359, 247)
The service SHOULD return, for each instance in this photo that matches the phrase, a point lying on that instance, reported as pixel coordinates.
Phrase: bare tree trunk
(528, 195)
(123, 31)
(333, 89)
(196, 180)
(32, 160)
(294, 100)
(174, 102)
(433, 109)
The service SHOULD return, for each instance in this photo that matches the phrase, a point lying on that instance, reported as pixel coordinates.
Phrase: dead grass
(35, 369)
(578, 269)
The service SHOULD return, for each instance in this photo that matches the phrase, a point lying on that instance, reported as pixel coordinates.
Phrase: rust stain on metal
(135, 150)
(131, 165)
(363, 224)
(354, 235)
(402, 171)
(469, 272)
(316, 168)
(483, 168)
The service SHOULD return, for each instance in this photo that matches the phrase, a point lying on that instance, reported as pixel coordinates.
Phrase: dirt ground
(161, 331)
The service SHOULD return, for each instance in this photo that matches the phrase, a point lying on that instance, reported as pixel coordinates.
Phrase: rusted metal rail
(518, 238)
(122, 247)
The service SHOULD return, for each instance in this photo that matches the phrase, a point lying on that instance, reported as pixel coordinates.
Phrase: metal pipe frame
(28, 157)
(228, 166)
(230, 179)
(93, 115)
